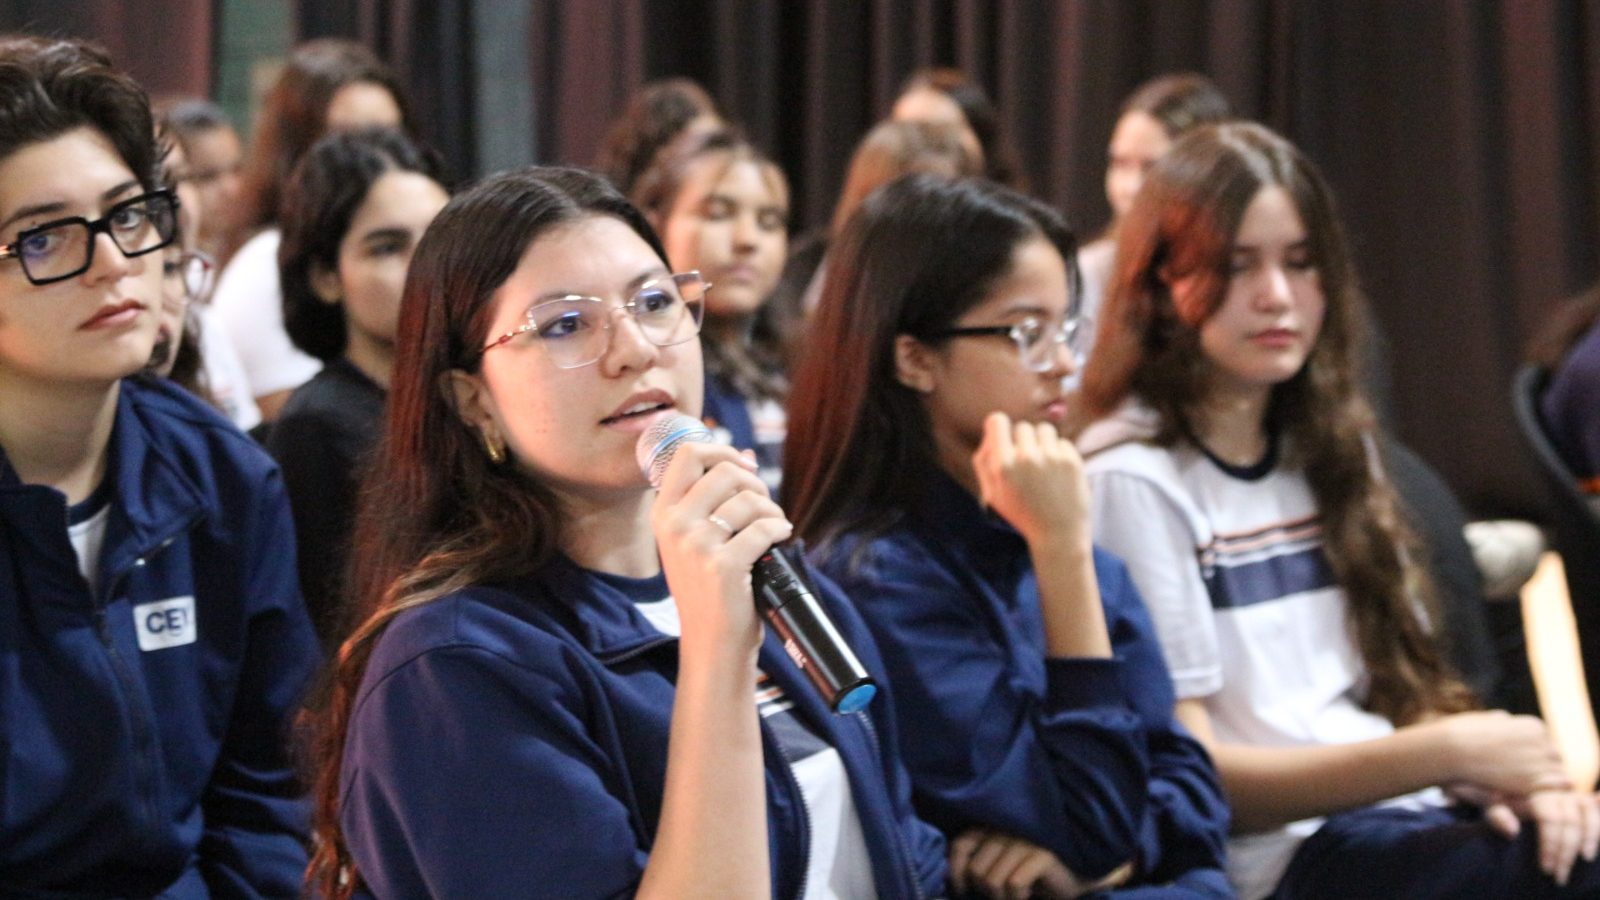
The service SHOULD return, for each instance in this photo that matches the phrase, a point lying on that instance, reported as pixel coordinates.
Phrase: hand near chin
(1033, 478)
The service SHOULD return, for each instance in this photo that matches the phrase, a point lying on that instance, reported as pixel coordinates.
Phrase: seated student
(327, 85)
(1235, 467)
(722, 209)
(890, 150)
(1036, 710)
(950, 96)
(658, 114)
(563, 689)
(353, 211)
(1156, 114)
(1569, 349)
(213, 156)
(155, 643)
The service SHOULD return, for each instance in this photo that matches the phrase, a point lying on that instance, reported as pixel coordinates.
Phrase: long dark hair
(754, 366)
(917, 255)
(436, 515)
(294, 115)
(1182, 226)
(319, 201)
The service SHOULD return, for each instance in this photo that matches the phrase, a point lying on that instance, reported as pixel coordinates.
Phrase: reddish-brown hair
(1182, 225)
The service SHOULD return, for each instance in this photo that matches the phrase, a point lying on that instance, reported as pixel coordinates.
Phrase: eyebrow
(1302, 244)
(384, 234)
(58, 206)
(637, 282)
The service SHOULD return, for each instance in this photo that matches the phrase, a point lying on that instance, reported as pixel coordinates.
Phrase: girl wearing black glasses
(562, 688)
(154, 640)
(935, 487)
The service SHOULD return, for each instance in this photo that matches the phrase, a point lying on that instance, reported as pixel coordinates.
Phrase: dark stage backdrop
(1460, 135)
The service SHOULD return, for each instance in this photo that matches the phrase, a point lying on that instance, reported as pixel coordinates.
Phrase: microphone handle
(808, 635)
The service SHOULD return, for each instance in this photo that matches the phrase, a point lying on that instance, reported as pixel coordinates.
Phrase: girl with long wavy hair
(562, 688)
(934, 485)
(1235, 465)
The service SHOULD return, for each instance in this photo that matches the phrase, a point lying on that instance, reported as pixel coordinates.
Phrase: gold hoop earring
(495, 449)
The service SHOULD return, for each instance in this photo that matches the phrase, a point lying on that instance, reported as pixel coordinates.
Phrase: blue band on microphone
(857, 698)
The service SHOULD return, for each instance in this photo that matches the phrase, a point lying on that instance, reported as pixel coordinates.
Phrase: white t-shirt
(1251, 619)
(249, 303)
(839, 866)
(87, 533)
(225, 377)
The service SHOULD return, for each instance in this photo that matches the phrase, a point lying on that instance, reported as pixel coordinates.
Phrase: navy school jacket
(143, 730)
(512, 741)
(1081, 756)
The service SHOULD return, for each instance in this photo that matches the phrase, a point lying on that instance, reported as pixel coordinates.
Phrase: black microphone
(782, 598)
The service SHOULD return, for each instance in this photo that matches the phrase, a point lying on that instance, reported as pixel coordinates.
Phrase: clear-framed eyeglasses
(58, 250)
(1036, 340)
(195, 271)
(575, 330)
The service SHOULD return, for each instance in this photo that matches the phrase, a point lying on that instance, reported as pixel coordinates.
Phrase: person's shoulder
(497, 621)
(178, 421)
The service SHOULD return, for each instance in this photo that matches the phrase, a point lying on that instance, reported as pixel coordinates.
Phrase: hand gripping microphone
(782, 598)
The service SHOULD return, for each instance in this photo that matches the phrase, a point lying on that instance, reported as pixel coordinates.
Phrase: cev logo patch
(165, 623)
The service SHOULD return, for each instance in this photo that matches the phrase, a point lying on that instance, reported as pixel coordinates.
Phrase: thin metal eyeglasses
(575, 330)
(58, 250)
(196, 269)
(1036, 342)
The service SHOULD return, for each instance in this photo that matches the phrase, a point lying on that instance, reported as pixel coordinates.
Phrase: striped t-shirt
(1230, 562)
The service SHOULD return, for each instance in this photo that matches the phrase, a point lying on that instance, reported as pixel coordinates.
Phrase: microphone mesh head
(660, 441)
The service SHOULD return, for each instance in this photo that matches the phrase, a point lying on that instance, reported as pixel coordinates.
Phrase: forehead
(1271, 218)
(401, 194)
(73, 168)
(1139, 132)
(741, 178)
(1036, 281)
(597, 256)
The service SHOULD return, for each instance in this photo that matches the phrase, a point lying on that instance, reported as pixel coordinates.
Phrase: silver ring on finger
(720, 522)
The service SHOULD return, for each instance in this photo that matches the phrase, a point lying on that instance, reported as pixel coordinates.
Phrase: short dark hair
(319, 202)
(917, 255)
(50, 86)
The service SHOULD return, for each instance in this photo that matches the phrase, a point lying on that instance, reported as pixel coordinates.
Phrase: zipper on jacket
(899, 836)
(805, 805)
(143, 725)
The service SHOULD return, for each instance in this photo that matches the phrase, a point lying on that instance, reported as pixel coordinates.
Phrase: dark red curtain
(166, 44)
(1460, 136)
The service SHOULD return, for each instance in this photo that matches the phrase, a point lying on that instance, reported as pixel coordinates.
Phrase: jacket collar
(153, 497)
(949, 514)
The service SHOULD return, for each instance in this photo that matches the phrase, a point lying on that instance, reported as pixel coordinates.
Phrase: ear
(468, 395)
(325, 284)
(914, 364)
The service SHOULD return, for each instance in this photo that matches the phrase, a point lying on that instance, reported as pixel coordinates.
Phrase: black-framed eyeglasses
(575, 330)
(1036, 341)
(58, 250)
(195, 269)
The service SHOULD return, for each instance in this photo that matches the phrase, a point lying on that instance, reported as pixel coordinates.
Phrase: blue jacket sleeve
(255, 811)
(1187, 826)
(1066, 769)
(468, 774)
